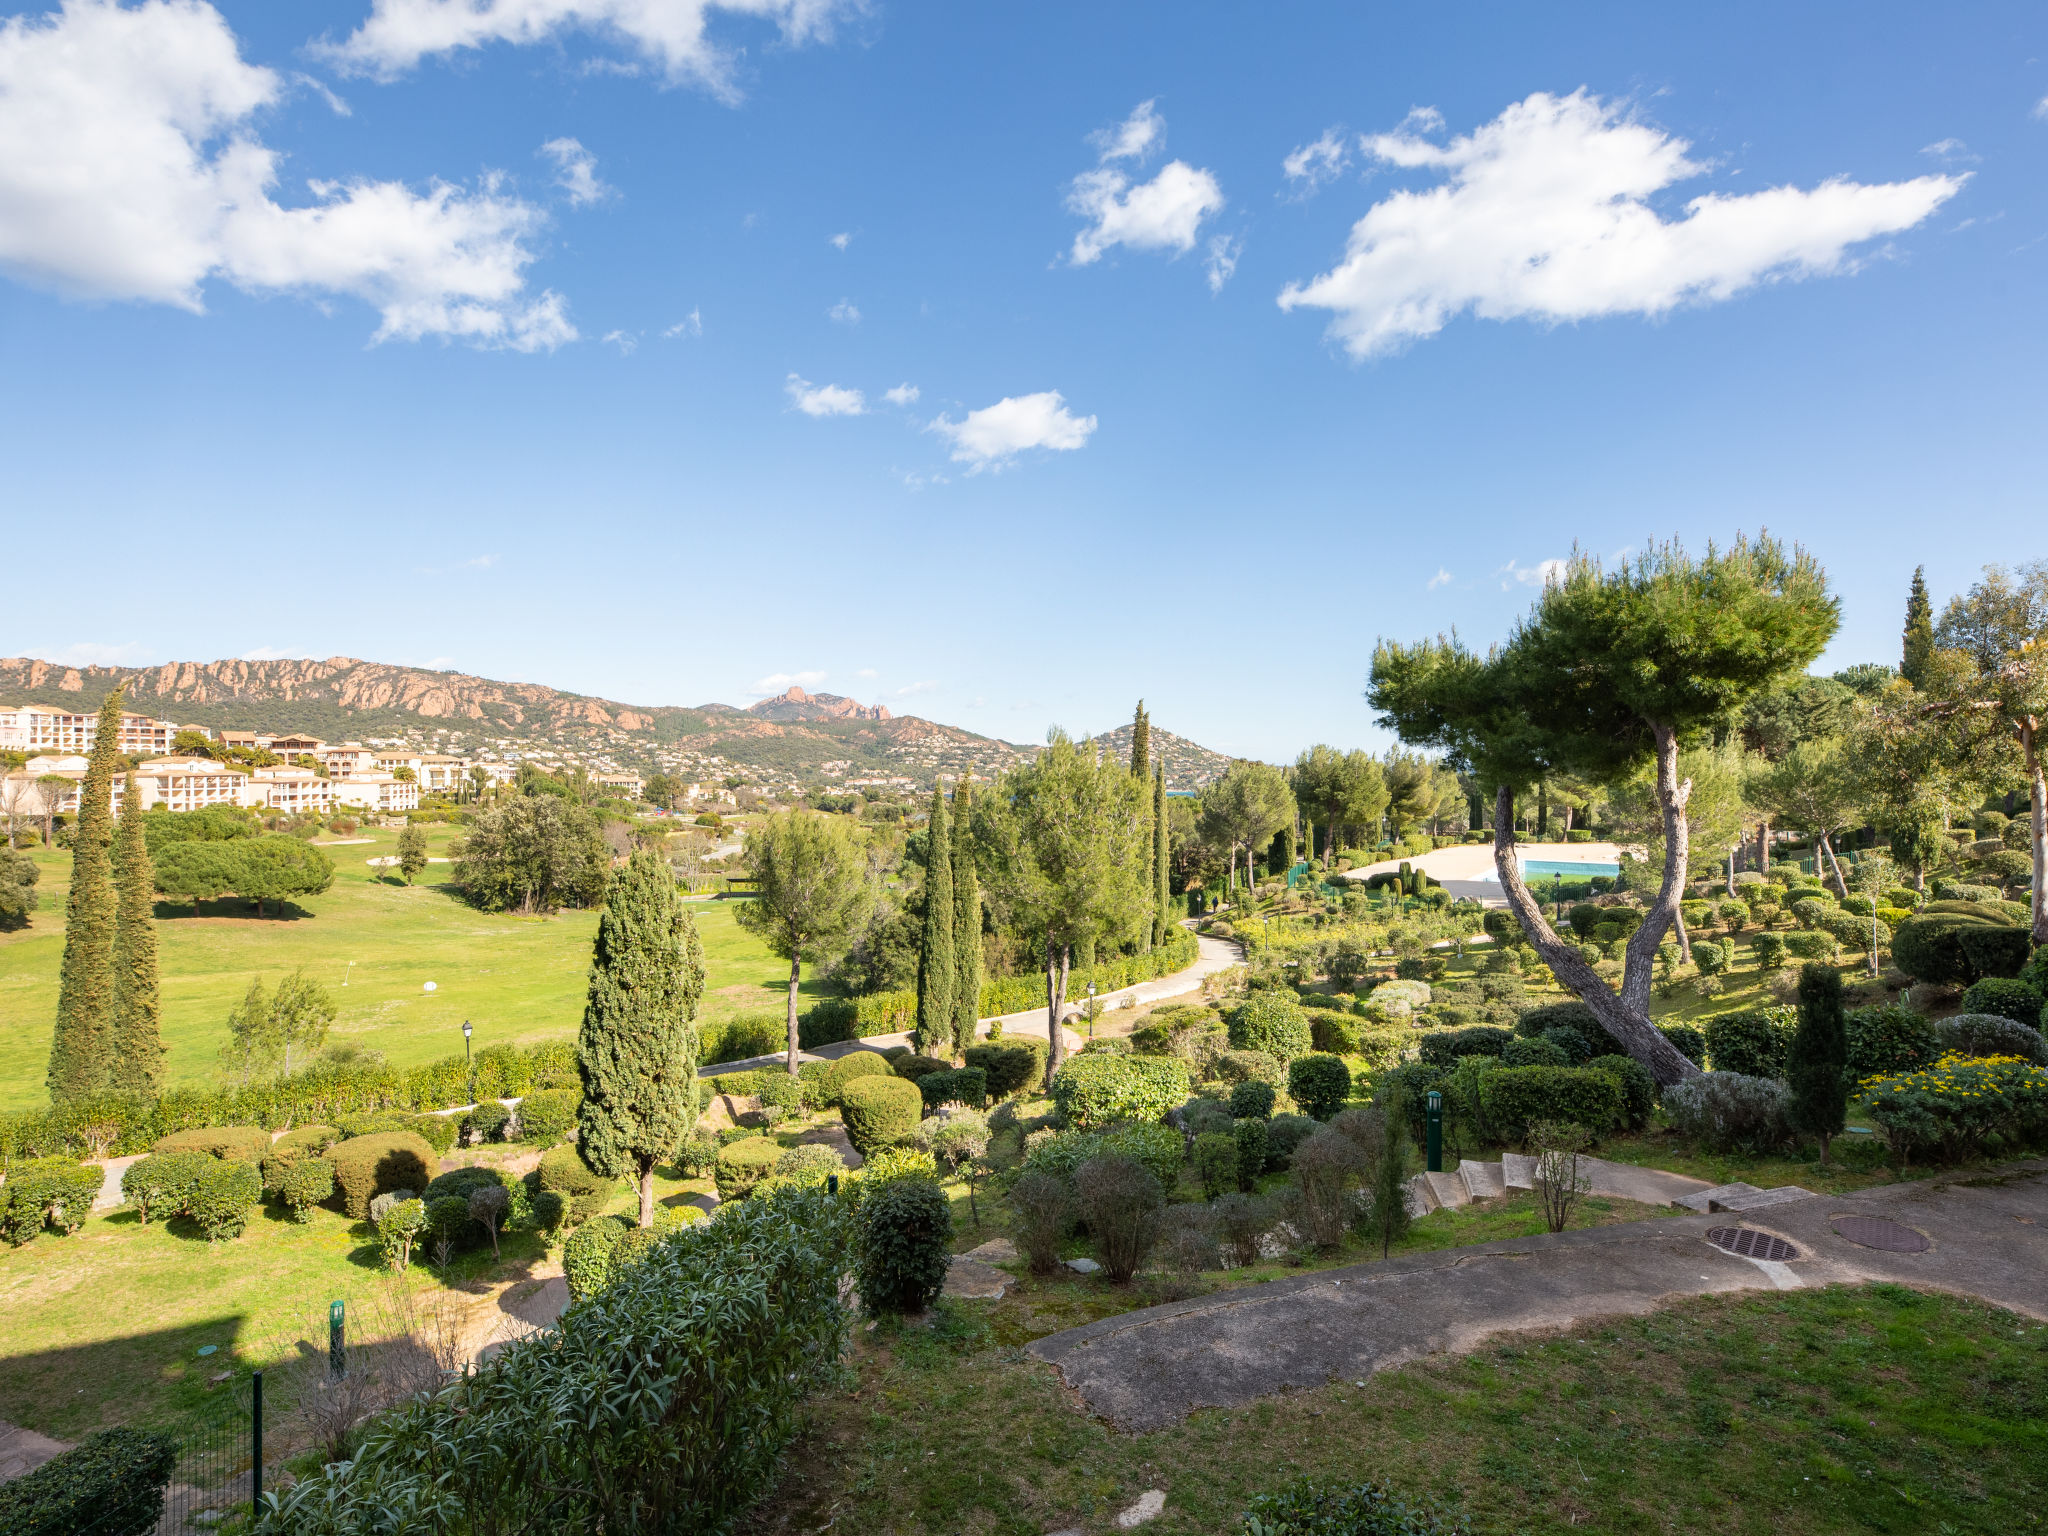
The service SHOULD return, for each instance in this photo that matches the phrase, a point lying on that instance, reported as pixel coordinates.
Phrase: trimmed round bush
(1332, 1033)
(313, 1140)
(2006, 996)
(1283, 1134)
(459, 1182)
(247, 1142)
(367, 1166)
(879, 1112)
(1399, 996)
(587, 1255)
(1531, 1023)
(961, 1085)
(448, 1217)
(223, 1196)
(812, 1163)
(437, 1131)
(1250, 1066)
(1099, 1089)
(1215, 1155)
(904, 1233)
(1990, 1034)
(1514, 1098)
(1889, 1039)
(1687, 1041)
(160, 1184)
(486, 1122)
(546, 1115)
(52, 1191)
(1638, 1088)
(305, 1183)
(1271, 1022)
(563, 1171)
(1252, 1150)
(911, 1068)
(1751, 1042)
(1442, 1048)
(743, 1164)
(1534, 1053)
(1732, 1112)
(1011, 1066)
(1252, 1100)
(1319, 1084)
(853, 1065)
(1955, 942)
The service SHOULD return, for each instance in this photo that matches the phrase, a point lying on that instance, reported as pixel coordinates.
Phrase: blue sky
(553, 339)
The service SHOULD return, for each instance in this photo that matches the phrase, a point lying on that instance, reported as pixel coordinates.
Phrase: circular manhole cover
(1751, 1244)
(1876, 1232)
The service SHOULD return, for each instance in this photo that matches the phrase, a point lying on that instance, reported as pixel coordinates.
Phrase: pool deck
(1466, 870)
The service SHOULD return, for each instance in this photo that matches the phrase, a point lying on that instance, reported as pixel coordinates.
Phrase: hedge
(246, 1142)
(1098, 1089)
(911, 1068)
(1751, 1041)
(1334, 1034)
(879, 1112)
(563, 1171)
(368, 1166)
(1012, 1065)
(749, 1034)
(112, 1485)
(743, 1164)
(1271, 1022)
(47, 1191)
(1889, 1039)
(962, 1085)
(1515, 1097)
(687, 1370)
(1441, 1048)
(1955, 943)
(1638, 1088)
(2007, 996)
(850, 1066)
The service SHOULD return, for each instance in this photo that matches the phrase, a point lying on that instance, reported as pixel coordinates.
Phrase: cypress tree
(1141, 743)
(1817, 1062)
(138, 1055)
(966, 927)
(1918, 647)
(637, 1048)
(81, 1049)
(935, 948)
(1159, 854)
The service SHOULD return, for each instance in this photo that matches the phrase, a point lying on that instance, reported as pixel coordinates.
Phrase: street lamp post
(1091, 1010)
(469, 1057)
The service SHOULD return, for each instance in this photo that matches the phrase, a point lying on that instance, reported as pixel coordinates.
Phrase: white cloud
(928, 686)
(1541, 574)
(669, 35)
(576, 171)
(778, 682)
(1222, 260)
(1316, 164)
(691, 324)
(481, 562)
(842, 240)
(995, 434)
(269, 653)
(1950, 150)
(1442, 578)
(843, 313)
(902, 394)
(625, 341)
(1545, 215)
(1164, 213)
(128, 170)
(1134, 138)
(2041, 107)
(867, 672)
(824, 399)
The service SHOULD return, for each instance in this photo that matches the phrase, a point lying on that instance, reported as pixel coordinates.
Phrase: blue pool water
(1533, 868)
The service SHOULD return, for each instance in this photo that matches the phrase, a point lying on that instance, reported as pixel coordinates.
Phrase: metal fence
(217, 1454)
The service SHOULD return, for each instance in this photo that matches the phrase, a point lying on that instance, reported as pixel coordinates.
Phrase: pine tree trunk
(646, 1196)
(1055, 995)
(1828, 848)
(1763, 848)
(796, 966)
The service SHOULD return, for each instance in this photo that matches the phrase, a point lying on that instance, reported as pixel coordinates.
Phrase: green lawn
(1871, 1409)
(517, 979)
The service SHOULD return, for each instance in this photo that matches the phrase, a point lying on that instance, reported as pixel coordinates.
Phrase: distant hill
(798, 705)
(1189, 767)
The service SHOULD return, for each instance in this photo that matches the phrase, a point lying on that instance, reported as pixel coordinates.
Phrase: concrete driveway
(1986, 1236)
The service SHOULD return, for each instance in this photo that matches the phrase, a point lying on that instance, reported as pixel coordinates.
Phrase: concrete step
(1421, 1200)
(1449, 1189)
(1482, 1180)
(1517, 1170)
(1704, 1200)
(1760, 1199)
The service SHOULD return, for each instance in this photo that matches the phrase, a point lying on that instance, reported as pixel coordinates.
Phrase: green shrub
(1889, 1039)
(448, 1219)
(1319, 1084)
(1216, 1162)
(48, 1191)
(911, 1068)
(743, 1164)
(367, 1166)
(1687, 1041)
(1962, 1108)
(1332, 1506)
(2008, 997)
(223, 1196)
(1577, 1048)
(159, 1185)
(1011, 1065)
(1813, 944)
(961, 1085)
(813, 1162)
(305, 1183)
(879, 1112)
(546, 1115)
(1534, 1053)
(1283, 1134)
(1250, 1066)
(1440, 1048)
(776, 1088)
(1638, 1088)
(1120, 1199)
(1271, 1022)
(1098, 1090)
(311, 1140)
(745, 1036)
(112, 1485)
(1769, 950)
(1751, 1041)
(1514, 1098)
(1954, 943)
(1332, 1033)
(247, 1142)
(1159, 1147)
(486, 1122)
(563, 1171)
(1732, 1112)
(1252, 1151)
(850, 1066)
(1990, 1034)
(458, 1182)
(587, 1255)
(1252, 1100)
(905, 1232)
(437, 1131)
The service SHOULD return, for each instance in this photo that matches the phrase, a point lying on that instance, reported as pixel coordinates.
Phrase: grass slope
(518, 979)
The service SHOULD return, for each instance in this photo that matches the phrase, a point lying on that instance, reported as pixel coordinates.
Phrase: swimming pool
(1542, 869)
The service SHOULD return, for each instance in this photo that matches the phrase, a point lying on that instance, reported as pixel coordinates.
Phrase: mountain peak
(795, 704)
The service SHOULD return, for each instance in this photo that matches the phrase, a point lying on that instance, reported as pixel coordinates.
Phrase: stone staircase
(1474, 1180)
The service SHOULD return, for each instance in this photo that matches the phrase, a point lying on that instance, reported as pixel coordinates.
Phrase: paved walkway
(1213, 955)
(1987, 1237)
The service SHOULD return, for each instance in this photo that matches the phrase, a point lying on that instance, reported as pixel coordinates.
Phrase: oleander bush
(1988, 1034)
(879, 1112)
(1098, 1090)
(1732, 1112)
(367, 1166)
(1159, 1147)
(905, 1229)
(112, 1485)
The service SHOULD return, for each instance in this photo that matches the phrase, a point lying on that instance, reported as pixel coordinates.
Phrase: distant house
(38, 728)
(439, 773)
(175, 783)
(629, 785)
(377, 791)
(349, 757)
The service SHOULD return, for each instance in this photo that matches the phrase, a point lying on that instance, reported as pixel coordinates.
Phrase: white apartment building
(294, 791)
(439, 773)
(349, 757)
(377, 792)
(629, 784)
(176, 783)
(391, 760)
(38, 728)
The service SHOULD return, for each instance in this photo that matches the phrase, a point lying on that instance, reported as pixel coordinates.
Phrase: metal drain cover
(1876, 1232)
(1751, 1244)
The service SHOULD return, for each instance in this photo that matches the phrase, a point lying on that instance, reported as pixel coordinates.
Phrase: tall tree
(813, 894)
(1612, 670)
(82, 1048)
(1917, 645)
(138, 1064)
(1817, 1061)
(1064, 843)
(966, 923)
(1242, 810)
(636, 1051)
(412, 851)
(1161, 888)
(301, 1013)
(252, 1049)
(1814, 788)
(1410, 795)
(1141, 743)
(935, 963)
